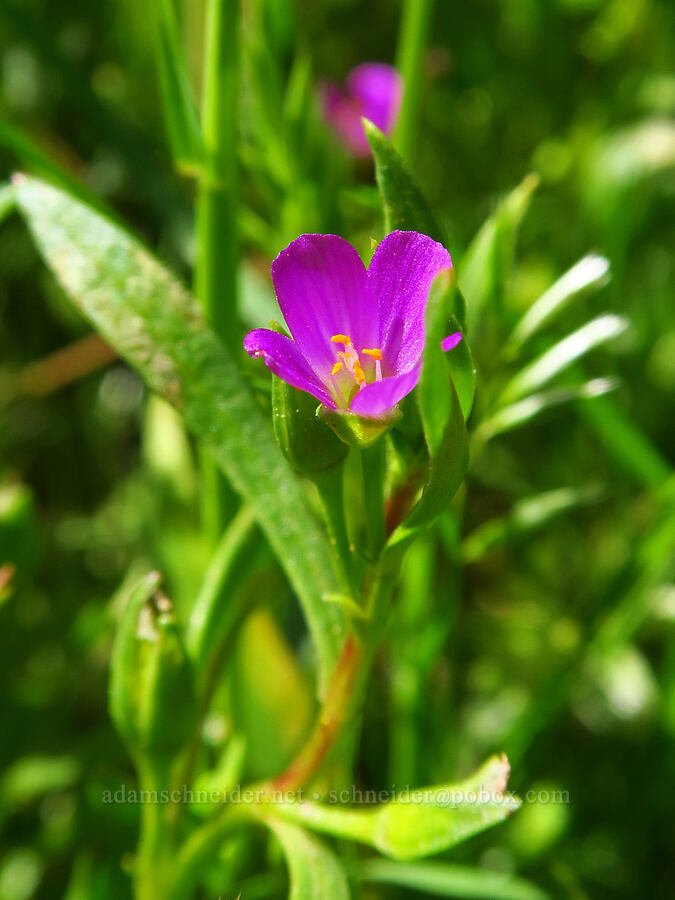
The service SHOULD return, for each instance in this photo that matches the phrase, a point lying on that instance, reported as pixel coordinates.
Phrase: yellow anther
(359, 374)
(374, 353)
(341, 339)
(336, 368)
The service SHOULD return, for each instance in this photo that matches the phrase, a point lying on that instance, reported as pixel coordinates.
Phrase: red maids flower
(358, 334)
(372, 90)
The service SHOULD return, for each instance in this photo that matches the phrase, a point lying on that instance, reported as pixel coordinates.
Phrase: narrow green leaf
(526, 516)
(590, 272)
(433, 819)
(563, 354)
(180, 110)
(404, 205)
(146, 314)
(31, 156)
(441, 414)
(523, 411)
(31, 777)
(412, 42)
(218, 610)
(628, 445)
(7, 200)
(449, 880)
(416, 822)
(488, 259)
(462, 369)
(315, 872)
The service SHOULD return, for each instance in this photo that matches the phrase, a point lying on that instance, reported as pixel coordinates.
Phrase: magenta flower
(358, 334)
(372, 90)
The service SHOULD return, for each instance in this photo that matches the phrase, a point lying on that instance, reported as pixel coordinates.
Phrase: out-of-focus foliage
(555, 641)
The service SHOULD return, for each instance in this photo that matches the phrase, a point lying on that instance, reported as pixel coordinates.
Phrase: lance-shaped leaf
(628, 445)
(417, 822)
(442, 879)
(315, 872)
(590, 272)
(441, 415)
(526, 516)
(516, 414)
(404, 205)
(152, 321)
(488, 259)
(563, 354)
(180, 109)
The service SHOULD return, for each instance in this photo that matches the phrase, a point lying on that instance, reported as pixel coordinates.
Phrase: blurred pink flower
(372, 90)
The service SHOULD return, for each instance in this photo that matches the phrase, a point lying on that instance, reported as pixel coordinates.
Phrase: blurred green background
(555, 641)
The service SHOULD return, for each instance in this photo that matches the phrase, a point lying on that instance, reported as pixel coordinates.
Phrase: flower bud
(306, 442)
(152, 701)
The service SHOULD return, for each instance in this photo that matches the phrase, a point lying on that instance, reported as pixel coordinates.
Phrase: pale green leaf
(441, 415)
(404, 205)
(526, 516)
(449, 880)
(417, 822)
(516, 414)
(151, 320)
(539, 372)
(590, 272)
(487, 261)
(315, 872)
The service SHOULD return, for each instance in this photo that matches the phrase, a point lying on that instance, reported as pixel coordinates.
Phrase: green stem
(217, 204)
(413, 32)
(372, 468)
(200, 848)
(153, 848)
(329, 484)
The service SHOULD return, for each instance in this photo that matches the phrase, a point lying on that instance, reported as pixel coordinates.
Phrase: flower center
(349, 372)
(347, 360)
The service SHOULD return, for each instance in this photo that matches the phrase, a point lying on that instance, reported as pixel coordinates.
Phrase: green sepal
(440, 410)
(356, 431)
(305, 439)
(152, 699)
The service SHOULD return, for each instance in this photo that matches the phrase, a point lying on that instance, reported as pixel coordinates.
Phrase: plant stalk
(329, 484)
(412, 41)
(216, 280)
(372, 468)
(154, 851)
